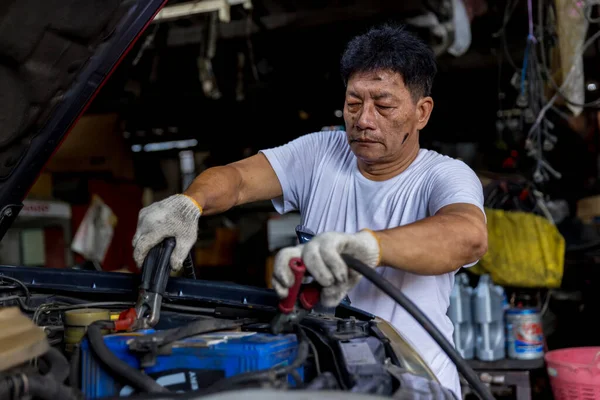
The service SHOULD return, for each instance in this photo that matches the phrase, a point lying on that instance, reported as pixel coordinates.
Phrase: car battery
(193, 363)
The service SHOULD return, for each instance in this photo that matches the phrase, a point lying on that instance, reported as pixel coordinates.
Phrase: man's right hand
(176, 216)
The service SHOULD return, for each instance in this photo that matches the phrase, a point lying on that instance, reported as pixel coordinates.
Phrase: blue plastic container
(193, 363)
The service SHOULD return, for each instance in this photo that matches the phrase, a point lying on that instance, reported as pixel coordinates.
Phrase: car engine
(73, 345)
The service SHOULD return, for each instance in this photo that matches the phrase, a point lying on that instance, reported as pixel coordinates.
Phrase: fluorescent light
(184, 10)
(162, 146)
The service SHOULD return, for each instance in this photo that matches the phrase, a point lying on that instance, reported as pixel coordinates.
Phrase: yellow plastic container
(77, 321)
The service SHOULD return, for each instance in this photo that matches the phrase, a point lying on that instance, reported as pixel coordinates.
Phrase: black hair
(392, 48)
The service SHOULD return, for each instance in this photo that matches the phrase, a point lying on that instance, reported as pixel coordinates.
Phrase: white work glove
(176, 216)
(322, 258)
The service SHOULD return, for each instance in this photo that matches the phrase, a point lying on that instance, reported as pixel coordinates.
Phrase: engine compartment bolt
(346, 325)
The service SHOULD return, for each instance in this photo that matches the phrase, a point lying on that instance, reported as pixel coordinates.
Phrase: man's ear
(424, 108)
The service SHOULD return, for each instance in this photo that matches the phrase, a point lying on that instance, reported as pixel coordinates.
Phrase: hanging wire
(549, 104)
(547, 75)
(509, 10)
(534, 76)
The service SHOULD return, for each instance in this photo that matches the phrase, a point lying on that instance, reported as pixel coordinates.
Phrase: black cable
(165, 338)
(336, 366)
(55, 308)
(196, 328)
(73, 301)
(384, 285)
(115, 365)
(9, 298)
(20, 283)
(188, 309)
(24, 306)
(116, 304)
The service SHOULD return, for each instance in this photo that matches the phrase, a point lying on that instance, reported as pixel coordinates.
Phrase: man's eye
(353, 104)
(382, 107)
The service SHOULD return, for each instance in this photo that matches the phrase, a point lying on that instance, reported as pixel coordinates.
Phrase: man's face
(381, 116)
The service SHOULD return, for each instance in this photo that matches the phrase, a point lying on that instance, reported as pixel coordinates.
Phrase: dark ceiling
(290, 76)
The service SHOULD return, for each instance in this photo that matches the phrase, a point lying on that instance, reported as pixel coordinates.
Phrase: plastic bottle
(489, 320)
(461, 315)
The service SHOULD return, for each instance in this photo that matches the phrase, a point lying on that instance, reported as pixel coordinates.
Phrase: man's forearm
(435, 245)
(220, 188)
(216, 189)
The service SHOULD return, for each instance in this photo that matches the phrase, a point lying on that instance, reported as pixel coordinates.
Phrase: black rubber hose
(46, 388)
(57, 363)
(75, 369)
(384, 285)
(116, 366)
(9, 385)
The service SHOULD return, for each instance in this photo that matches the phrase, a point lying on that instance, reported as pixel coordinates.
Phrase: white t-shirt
(320, 178)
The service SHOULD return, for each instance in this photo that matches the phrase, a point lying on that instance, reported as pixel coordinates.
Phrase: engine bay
(200, 347)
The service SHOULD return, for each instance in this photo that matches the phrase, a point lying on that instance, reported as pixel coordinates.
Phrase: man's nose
(366, 118)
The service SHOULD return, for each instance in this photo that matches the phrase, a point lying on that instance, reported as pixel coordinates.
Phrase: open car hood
(54, 57)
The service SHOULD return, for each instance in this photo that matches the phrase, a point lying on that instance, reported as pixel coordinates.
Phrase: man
(370, 192)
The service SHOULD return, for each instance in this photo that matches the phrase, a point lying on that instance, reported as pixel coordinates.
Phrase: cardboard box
(588, 209)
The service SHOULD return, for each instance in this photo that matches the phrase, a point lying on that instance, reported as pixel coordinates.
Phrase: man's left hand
(322, 257)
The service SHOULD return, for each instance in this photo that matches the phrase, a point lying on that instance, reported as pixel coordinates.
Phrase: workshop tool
(299, 302)
(155, 275)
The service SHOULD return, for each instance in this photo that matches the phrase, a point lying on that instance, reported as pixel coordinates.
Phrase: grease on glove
(323, 260)
(176, 216)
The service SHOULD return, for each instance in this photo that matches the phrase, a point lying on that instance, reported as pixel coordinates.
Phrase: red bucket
(574, 373)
